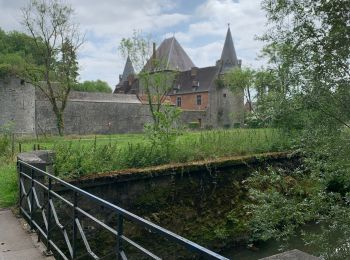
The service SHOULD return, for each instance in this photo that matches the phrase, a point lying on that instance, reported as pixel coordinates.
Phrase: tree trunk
(59, 121)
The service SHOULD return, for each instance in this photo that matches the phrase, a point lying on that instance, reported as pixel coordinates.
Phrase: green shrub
(194, 125)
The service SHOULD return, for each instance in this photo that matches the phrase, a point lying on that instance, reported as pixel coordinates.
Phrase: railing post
(48, 245)
(75, 205)
(119, 248)
(31, 198)
(19, 170)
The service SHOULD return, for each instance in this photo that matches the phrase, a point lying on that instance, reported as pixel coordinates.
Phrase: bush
(5, 139)
(194, 125)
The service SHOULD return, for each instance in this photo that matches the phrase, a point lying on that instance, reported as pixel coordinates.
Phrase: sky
(199, 26)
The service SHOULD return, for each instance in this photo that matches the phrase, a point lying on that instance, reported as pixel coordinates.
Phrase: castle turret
(228, 58)
(125, 78)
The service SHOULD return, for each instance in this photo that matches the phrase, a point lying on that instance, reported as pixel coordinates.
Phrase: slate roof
(128, 70)
(171, 56)
(203, 81)
(228, 55)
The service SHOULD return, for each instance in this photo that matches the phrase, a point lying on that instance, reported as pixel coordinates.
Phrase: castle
(199, 92)
(194, 89)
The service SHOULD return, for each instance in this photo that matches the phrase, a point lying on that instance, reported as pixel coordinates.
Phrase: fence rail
(45, 211)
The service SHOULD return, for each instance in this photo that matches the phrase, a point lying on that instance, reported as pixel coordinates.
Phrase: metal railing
(42, 217)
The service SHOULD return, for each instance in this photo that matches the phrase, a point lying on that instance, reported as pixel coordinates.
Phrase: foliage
(5, 139)
(165, 132)
(8, 183)
(17, 51)
(194, 125)
(241, 79)
(93, 86)
(77, 158)
(50, 24)
(155, 79)
(307, 45)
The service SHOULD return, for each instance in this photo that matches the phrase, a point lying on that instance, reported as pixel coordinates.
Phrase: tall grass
(8, 183)
(74, 159)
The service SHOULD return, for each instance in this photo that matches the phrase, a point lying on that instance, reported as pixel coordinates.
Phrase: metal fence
(37, 191)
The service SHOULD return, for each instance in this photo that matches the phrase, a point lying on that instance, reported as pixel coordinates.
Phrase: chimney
(239, 63)
(120, 77)
(194, 71)
(154, 56)
(154, 51)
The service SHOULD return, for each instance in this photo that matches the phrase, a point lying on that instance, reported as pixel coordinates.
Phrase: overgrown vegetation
(93, 86)
(8, 175)
(308, 48)
(75, 159)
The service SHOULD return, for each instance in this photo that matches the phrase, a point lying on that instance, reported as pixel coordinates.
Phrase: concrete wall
(17, 105)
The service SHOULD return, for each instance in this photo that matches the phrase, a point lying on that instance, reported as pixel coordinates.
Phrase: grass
(78, 158)
(80, 155)
(8, 183)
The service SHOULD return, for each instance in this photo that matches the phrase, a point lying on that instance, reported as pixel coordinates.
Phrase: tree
(93, 86)
(308, 46)
(50, 24)
(154, 81)
(17, 51)
(241, 79)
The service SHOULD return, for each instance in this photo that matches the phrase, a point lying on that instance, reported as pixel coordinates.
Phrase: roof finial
(228, 25)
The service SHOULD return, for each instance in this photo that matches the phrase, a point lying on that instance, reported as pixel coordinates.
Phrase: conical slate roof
(128, 70)
(228, 55)
(171, 56)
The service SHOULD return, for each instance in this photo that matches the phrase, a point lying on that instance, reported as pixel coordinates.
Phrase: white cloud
(107, 22)
(246, 21)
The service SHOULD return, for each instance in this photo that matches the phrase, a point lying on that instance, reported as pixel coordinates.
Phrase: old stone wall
(225, 108)
(17, 105)
(188, 116)
(93, 117)
(102, 113)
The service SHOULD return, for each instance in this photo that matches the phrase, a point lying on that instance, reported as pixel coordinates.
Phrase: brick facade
(191, 101)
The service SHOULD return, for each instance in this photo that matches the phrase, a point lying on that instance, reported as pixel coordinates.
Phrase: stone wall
(17, 105)
(102, 113)
(225, 108)
(93, 117)
(188, 116)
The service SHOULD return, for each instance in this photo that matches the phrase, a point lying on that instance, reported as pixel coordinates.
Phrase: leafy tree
(154, 82)
(241, 79)
(93, 86)
(17, 51)
(50, 25)
(308, 46)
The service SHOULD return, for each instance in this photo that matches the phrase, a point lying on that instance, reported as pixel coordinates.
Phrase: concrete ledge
(42, 159)
(171, 169)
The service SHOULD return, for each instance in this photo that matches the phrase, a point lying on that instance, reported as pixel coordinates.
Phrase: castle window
(199, 100)
(178, 101)
(224, 95)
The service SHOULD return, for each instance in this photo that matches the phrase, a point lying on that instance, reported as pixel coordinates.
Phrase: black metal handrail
(49, 215)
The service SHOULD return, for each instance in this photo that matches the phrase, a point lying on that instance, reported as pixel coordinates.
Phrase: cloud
(246, 20)
(201, 30)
